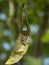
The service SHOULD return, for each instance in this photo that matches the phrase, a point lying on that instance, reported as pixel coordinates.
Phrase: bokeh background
(38, 18)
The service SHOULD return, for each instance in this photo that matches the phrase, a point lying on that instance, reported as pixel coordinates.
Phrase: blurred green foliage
(9, 29)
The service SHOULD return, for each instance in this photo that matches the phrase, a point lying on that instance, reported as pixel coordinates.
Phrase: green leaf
(45, 38)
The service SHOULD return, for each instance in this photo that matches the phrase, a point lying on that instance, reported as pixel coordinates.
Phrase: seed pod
(19, 50)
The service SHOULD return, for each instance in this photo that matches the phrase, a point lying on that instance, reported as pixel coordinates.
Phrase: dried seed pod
(22, 42)
(19, 50)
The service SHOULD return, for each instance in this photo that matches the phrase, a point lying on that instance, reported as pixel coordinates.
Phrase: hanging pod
(21, 45)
